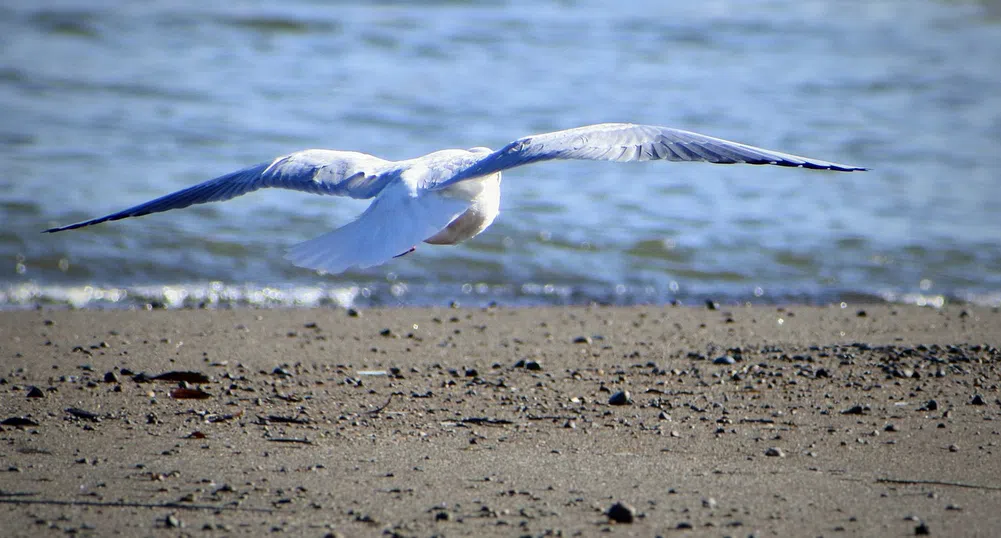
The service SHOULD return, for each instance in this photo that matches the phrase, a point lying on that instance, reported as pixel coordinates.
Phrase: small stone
(891, 428)
(582, 340)
(726, 359)
(856, 410)
(621, 513)
(709, 503)
(172, 522)
(684, 525)
(953, 448)
(930, 405)
(353, 313)
(35, 392)
(922, 530)
(533, 366)
(442, 516)
(111, 377)
(621, 398)
(978, 400)
(775, 452)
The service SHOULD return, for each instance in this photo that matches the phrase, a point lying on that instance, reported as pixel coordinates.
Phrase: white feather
(398, 219)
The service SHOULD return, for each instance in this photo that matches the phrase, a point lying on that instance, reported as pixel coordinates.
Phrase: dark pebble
(111, 377)
(922, 530)
(582, 340)
(978, 400)
(18, 421)
(621, 398)
(533, 365)
(775, 452)
(35, 392)
(724, 360)
(353, 313)
(621, 513)
(856, 410)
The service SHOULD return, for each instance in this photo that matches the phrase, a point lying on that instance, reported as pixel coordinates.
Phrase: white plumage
(448, 196)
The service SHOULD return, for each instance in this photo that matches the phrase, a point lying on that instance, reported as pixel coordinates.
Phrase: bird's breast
(484, 195)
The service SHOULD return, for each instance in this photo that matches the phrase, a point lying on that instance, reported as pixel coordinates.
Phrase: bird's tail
(395, 222)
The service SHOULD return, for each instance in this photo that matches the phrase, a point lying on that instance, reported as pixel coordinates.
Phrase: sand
(874, 420)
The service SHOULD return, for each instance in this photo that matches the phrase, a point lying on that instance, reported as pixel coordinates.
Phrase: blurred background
(109, 104)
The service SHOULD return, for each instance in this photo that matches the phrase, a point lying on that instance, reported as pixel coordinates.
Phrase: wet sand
(800, 421)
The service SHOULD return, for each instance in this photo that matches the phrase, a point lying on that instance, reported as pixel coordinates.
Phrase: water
(105, 106)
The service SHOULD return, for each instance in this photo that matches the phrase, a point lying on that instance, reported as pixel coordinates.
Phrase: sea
(106, 104)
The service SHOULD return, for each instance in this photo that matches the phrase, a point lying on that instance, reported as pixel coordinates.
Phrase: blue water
(106, 105)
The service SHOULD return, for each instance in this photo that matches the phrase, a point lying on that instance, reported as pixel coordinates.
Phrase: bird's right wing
(317, 171)
(631, 142)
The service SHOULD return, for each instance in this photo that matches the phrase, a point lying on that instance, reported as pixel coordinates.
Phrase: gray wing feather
(339, 173)
(629, 142)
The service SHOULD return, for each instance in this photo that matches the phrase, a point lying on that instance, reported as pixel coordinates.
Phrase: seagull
(444, 197)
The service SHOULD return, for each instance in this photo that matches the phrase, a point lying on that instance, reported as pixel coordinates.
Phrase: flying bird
(445, 197)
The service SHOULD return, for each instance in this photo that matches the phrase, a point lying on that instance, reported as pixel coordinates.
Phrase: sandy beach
(871, 420)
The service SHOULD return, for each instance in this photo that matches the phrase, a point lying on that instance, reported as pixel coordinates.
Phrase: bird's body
(445, 197)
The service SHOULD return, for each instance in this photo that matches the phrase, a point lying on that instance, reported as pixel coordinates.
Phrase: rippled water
(105, 107)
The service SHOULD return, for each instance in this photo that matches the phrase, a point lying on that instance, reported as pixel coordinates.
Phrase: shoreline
(789, 420)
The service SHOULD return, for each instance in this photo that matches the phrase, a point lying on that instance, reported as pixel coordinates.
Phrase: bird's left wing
(629, 142)
(317, 171)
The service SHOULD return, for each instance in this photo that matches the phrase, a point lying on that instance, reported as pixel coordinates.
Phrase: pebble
(856, 410)
(172, 522)
(111, 377)
(621, 398)
(621, 513)
(953, 448)
(35, 392)
(533, 366)
(582, 340)
(726, 359)
(775, 452)
(922, 530)
(978, 400)
(709, 503)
